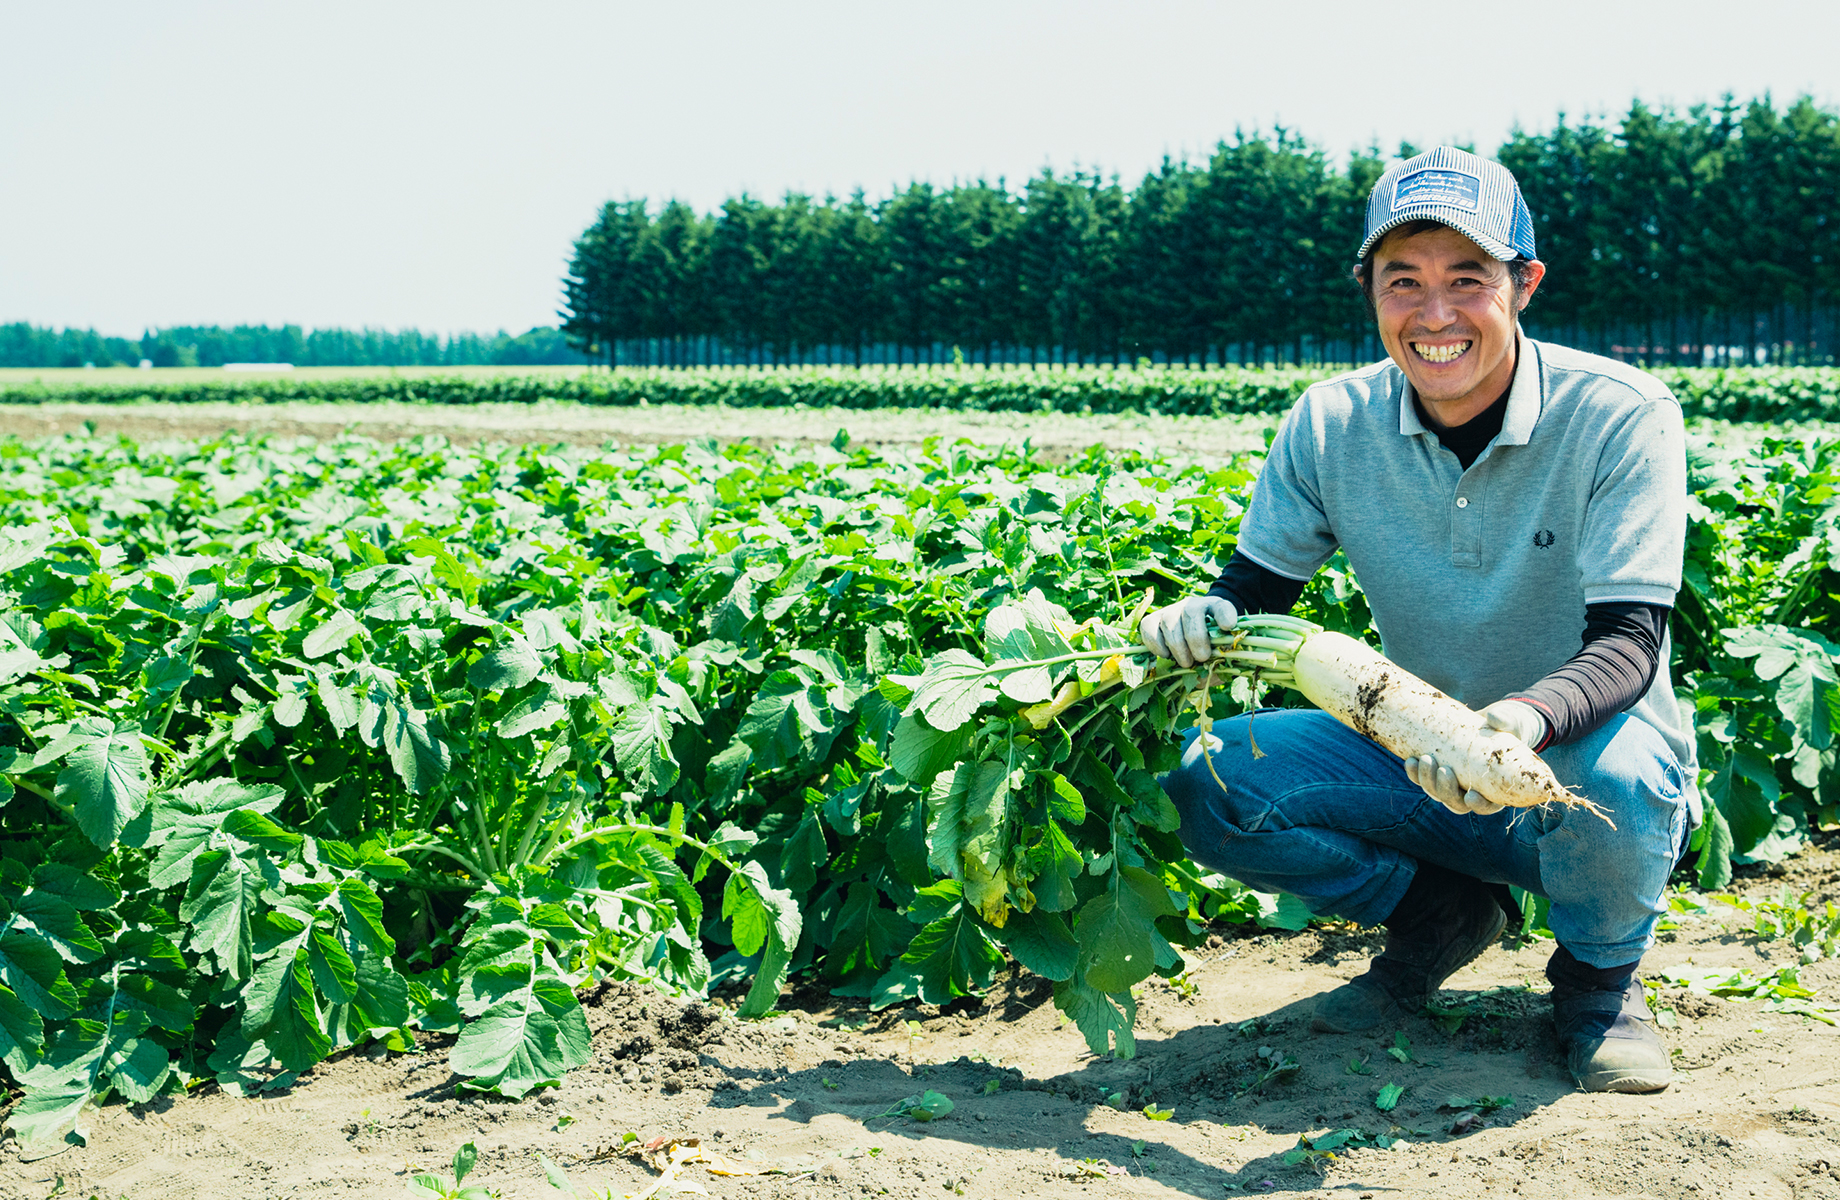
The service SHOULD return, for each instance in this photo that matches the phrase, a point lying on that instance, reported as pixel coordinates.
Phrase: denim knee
(1210, 819)
(1606, 883)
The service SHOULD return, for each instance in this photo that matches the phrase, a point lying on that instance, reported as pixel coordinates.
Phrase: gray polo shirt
(1478, 579)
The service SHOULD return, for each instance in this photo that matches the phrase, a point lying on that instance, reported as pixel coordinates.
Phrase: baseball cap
(1472, 195)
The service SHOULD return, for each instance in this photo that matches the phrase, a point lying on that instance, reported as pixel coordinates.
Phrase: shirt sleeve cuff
(1631, 593)
(1300, 575)
(1540, 706)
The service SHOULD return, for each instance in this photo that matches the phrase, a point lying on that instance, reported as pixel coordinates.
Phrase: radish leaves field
(307, 747)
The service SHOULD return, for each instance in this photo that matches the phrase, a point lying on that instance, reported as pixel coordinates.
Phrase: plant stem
(1076, 656)
(555, 834)
(1283, 645)
(43, 793)
(435, 848)
(191, 663)
(1105, 536)
(1087, 719)
(306, 793)
(626, 894)
(1257, 658)
(504, 822)
(38, 790)
(1166, 573)
(485, 835)
(214, 754)
(76, 703)
(519, 857)
(1696, 627)
(1280, 621)
(1793, 600)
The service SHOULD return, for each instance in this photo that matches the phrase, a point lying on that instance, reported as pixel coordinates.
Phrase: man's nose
(1437, 310)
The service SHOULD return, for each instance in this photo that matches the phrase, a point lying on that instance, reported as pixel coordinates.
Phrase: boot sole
(1627, 1082)
(1630, 1077)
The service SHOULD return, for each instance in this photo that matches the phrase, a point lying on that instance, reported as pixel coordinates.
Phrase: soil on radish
(1368, 696)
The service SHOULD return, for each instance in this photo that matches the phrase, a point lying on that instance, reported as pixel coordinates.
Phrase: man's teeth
(1440, 354)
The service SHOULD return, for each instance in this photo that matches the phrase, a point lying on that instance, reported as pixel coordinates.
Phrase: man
(1515, 512)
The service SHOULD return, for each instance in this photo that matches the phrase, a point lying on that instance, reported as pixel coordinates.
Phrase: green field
(308, 747)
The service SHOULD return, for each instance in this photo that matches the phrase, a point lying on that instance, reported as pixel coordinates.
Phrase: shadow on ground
(1270, 1073)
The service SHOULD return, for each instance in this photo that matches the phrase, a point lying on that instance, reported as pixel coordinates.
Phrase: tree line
(25, 345)
(1705, 235)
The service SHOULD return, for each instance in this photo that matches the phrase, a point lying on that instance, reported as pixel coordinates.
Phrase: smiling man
(1515, 512)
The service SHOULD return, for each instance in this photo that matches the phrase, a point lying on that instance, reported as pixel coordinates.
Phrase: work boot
(1605, 1027)
(1440, 925)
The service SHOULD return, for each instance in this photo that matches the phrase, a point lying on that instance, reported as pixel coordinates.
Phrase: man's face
(1447, 310)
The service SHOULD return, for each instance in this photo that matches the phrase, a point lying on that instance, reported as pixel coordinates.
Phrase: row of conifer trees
(1711, 234)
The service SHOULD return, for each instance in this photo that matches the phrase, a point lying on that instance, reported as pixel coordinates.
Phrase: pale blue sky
(419, 164)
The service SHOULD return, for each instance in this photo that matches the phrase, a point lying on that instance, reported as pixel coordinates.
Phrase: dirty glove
(1180, 630)
(1519, 718)
(1513, 717)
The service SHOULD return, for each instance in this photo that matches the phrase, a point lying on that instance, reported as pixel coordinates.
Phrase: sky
(397, 164)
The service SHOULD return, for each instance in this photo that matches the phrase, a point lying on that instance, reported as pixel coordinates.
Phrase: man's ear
(1536, 271)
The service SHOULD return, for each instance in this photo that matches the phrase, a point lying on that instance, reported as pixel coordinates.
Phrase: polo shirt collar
(1524, 399)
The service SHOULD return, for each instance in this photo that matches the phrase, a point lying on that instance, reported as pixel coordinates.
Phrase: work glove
(1180, 630)
(1514, 717)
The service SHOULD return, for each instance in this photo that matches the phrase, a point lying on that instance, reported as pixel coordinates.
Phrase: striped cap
(1474, 196)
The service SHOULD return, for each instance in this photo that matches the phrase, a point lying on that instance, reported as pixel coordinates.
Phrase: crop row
(1732, 394)
(305, 747)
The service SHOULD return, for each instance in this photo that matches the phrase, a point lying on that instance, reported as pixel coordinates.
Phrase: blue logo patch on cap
(1453, 189)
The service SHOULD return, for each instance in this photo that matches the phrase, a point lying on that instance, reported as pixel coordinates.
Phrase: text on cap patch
(1453, 189)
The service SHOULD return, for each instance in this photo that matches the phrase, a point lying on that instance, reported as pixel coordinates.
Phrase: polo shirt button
(1462, 501)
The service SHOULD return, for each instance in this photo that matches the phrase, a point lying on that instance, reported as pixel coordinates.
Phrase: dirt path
(1754, 1110)
(1058, 434)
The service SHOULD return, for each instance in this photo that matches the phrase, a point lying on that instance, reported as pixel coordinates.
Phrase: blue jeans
(1331, 818)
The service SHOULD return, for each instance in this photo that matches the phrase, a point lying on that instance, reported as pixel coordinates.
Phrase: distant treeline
(23, 345)
(1707, 235)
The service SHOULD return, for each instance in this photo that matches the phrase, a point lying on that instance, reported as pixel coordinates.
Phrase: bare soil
(1754, 1109)
(1058, 435)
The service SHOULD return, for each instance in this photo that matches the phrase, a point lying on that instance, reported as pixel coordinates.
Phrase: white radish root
(1381, 700)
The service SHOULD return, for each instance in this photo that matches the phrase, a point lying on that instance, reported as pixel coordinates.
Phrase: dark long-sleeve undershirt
(1613, 668)
(1253, 589)
(1610, 672)
(1468, 440)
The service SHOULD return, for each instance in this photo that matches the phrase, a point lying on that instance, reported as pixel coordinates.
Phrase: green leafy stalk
(1017, 813)
(412, 644)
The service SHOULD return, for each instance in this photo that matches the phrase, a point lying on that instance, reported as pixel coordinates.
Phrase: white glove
(1513, 717)
(1180, 630)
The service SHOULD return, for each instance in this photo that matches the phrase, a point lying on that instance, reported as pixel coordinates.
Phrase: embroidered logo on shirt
(1544, 539)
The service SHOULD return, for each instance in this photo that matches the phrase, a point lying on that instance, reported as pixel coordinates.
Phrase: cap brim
(1456, 219)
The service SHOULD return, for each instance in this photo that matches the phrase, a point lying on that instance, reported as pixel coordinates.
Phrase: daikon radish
(1379, 699)
(1348, 679)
